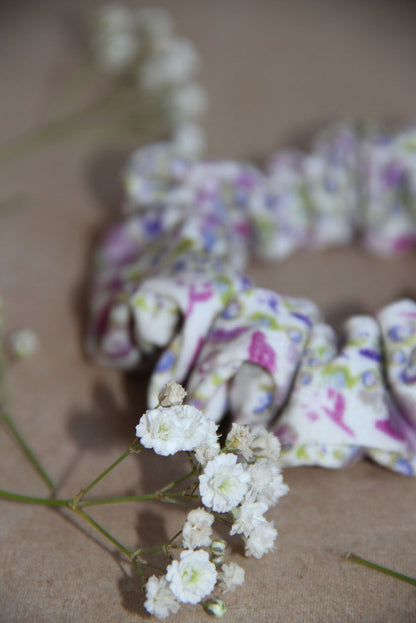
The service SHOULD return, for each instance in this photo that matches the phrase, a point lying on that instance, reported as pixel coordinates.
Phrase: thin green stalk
(133, 448)
(176, 482)
(28, 499)
(102, 531)
(372, 565)
(8, 421)
(109, 537)
(153, 566)
(126, 498)
(53, 131)
(138, 498)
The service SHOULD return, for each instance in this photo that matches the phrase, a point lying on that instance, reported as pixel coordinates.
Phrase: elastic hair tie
(168, 292)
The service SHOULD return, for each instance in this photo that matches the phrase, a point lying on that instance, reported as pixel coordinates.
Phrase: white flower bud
(217, 547)
(215, 607)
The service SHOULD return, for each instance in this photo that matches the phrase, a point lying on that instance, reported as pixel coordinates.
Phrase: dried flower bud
(171, 395)
(215, 607)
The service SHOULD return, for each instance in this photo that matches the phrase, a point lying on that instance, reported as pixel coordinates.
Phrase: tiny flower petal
(197, 531)
(266, 482)
(224, 483)
(266, 445)
(160, 600)
(231, 576)
(171, 429)
(193, 577)
(247, 517)
(210, 447)
(261, 540)
(239, 440)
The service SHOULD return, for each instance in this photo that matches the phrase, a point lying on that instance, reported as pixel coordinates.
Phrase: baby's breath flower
(23, 343)
(188, 101)
(197, 530)
(171, 68)
(172, 429)
(193, 577)
(172, 394)
(189, 138)
(231, 576)
(160, 600)
(210, 447)
(261, 540)
(215, 607)
(266, 445)
(266, 482)
(224, 483)
(239, 440)
(247, 517)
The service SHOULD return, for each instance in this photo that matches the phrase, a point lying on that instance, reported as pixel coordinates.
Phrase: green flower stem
(109, 537)
(135, 446)
(8, 421)
(372, 565)
(153, 566)
(176, 482)
(139, 498)
(54, 131)
(28, 499)
(126, 498)
(102, 531)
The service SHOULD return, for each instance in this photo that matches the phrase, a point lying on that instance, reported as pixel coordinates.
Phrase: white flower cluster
(140, 44)
(242, 479)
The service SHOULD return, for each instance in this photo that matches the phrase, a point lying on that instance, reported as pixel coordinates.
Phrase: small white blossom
(115, 41)
(215, 607)
(224, 483)
(172, 429)
(210, 447)
(193, 577)
(186, 102)
(189, 138)
(231, 576)
(23, 343)
(160, 600)
(247, 517)
(197, 530)
(261, 540)
(171, 68)
(171, 395)
(266, 482)
(266, 445)
(240, 439)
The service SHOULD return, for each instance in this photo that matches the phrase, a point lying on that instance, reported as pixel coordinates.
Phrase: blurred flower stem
(372, 565)
(134, 114)
(9, 423)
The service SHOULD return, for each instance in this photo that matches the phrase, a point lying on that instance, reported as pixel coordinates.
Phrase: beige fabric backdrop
(275, 71)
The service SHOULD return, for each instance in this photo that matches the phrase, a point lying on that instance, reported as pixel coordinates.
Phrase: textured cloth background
(275, 71)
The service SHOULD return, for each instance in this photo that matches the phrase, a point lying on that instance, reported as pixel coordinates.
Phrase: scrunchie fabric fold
(168, 288)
